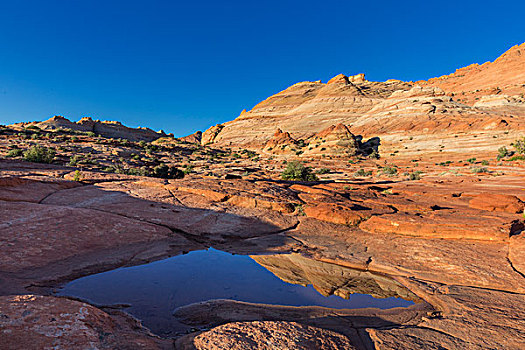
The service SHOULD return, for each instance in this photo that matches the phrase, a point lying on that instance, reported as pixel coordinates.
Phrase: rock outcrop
(505, 75)
(437, 108)
(335, 141)
(109, 129)
(196, 138)
(281, 143)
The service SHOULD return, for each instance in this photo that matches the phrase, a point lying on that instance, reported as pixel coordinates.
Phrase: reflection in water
(154, 290)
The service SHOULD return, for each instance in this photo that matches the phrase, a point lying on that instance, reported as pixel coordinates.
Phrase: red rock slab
(345, 213)
(38, 322)
(30, 190)
(443, 224)
(476, 263)
(215, 222)
(209, 194)
(471, 318)
(262, 203)
(269, 335)
(335, 213)
(416, 338)
(34, 235)
(517, 252)
(497, 202)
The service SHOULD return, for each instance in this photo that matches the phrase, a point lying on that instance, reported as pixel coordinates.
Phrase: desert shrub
(298, 171)
(73, 161)
(77, 176)
(471, 160)
(323, 171)
(478, 170)
(39, 154)
(502, 152)
(167, 172)
(363, 173)
(485, 162)
(519, 145)
(416, 175)
(16, 152)
(187, 169)
(374, 155)
(516, 158)
(389, 170)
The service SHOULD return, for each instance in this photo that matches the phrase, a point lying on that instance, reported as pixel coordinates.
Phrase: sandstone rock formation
(281, 143)
(450, 106)
(336, 140)
(505, 75)
(196, 138)
(110, 129)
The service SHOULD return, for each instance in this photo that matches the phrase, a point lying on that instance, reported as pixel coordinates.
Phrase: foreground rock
(266, 336)
(38, 322)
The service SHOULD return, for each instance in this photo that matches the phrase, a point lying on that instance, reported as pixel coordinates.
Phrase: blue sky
(184, 66)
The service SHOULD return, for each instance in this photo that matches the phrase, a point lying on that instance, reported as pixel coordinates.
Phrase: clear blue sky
(182, 66)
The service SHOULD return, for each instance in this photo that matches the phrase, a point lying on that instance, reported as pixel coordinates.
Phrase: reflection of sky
(162, 286)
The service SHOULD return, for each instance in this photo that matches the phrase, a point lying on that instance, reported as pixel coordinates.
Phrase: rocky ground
(452, 238)
(413, 191)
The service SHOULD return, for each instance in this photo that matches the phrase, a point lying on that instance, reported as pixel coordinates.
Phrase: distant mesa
(109, 129)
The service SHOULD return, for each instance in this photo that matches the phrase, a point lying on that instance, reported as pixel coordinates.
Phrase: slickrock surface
(38, 322)
(274, 335)
(467, 274)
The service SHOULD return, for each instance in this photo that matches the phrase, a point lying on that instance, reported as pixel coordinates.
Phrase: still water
(154, 290)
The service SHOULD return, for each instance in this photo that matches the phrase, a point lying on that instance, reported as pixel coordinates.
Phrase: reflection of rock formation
(330, 279)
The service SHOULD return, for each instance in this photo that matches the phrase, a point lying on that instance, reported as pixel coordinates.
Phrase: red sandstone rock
(334, 213)
(270, 335)
(497, 202)
(38, 322)
(453, 225)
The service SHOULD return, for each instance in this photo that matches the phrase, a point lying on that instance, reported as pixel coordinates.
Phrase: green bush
(519, 145)
(167, 172)
(363, 173)
(323, 171)
(17, 152)
(78, 176)
(297, 171)
(478, 170)
(40, 154)
(416, 175)
(187, 169)
(502, 152)
(389, 170)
